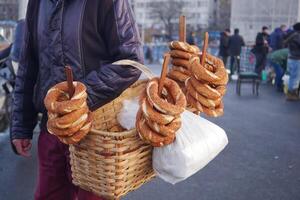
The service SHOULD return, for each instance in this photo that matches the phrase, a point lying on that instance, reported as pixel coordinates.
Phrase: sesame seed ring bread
(145, 131)
(79, 135)
(148, 135)
(213, 61)
(165, 130)
(53, 101)
(161, 104)
(68, 131)
(150, 113)
(182, 70)
(224, 80)
(68, 120)
(180, 54)
(211, 112)
(193, 102)
(221, 89)
(209, 67)
(167, 141)
(165, 95)
(215, 112)
(183, 46)
(218, 77)
(178, 76)
(181, 62)
(203, 100)
(205, 89)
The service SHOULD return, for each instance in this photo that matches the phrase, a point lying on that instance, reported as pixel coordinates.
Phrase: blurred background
(262, 160)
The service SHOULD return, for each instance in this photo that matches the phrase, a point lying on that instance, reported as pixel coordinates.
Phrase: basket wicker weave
(109, 161)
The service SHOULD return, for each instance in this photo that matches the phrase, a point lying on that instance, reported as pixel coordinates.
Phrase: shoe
(292, 96)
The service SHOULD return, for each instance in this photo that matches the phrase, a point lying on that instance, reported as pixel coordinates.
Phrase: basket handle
(137, 65)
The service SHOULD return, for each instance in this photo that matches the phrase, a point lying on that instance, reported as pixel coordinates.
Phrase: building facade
(8, 9)
(197, 12)
(22, 8)
(219, 14)
(251, 16)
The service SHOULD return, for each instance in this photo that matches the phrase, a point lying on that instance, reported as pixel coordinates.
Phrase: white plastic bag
(127, 116)
(197, 143)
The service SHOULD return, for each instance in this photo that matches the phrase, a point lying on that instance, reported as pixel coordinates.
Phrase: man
(236, 42)
(277, 37)
(261, 49)
(293, 43)
(278, 60)
(192, 38)
(224, 44)
(88, 35)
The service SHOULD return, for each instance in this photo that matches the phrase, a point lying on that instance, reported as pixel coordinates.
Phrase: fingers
(26, 144)
(23, 146)
(25, 153)
(28, 147)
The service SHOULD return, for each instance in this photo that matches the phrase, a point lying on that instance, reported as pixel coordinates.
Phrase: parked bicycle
(9, 63)
(7, 77)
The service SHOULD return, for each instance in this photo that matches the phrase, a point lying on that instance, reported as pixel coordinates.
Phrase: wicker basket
(109, 161)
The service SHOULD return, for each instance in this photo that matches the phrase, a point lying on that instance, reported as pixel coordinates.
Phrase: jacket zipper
(35, 97)
(80, 29)
(61, 32)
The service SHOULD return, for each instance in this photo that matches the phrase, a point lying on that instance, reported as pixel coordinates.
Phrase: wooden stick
(69, 74)
(204, 49)
(163, 74)
(182, 28)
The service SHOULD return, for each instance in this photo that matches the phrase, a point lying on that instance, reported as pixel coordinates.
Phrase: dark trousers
(234, 64)
(261, 61)
(54, 176)
(225, 58)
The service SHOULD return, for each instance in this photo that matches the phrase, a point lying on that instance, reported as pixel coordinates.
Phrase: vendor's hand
(23, 146)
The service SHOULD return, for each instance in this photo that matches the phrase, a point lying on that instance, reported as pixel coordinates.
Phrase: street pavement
(261, 161)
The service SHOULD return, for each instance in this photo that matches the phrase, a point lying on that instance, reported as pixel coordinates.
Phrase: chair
(245, 65)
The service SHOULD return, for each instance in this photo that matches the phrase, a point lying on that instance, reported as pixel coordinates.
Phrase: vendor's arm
(123, 42)
(24, 115)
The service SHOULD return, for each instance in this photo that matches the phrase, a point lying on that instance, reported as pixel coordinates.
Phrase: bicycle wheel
(8, 106)
(3, 118)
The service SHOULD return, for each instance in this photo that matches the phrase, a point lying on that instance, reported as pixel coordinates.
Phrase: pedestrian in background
(278, 60)
(235, 44)
(191, 39)
(277, 38)
(149, 54)
(224, 45)
(293, 43)
(261, 49)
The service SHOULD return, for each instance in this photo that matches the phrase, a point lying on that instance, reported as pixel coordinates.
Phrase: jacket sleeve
(226, 42)
(119, 31)
(230, 42)
(259, 40)
(24, 115)
(243, 42)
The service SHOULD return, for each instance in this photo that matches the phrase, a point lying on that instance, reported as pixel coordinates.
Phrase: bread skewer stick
(182, 28)
(164, 72)
(69, 74)
(204, 48)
